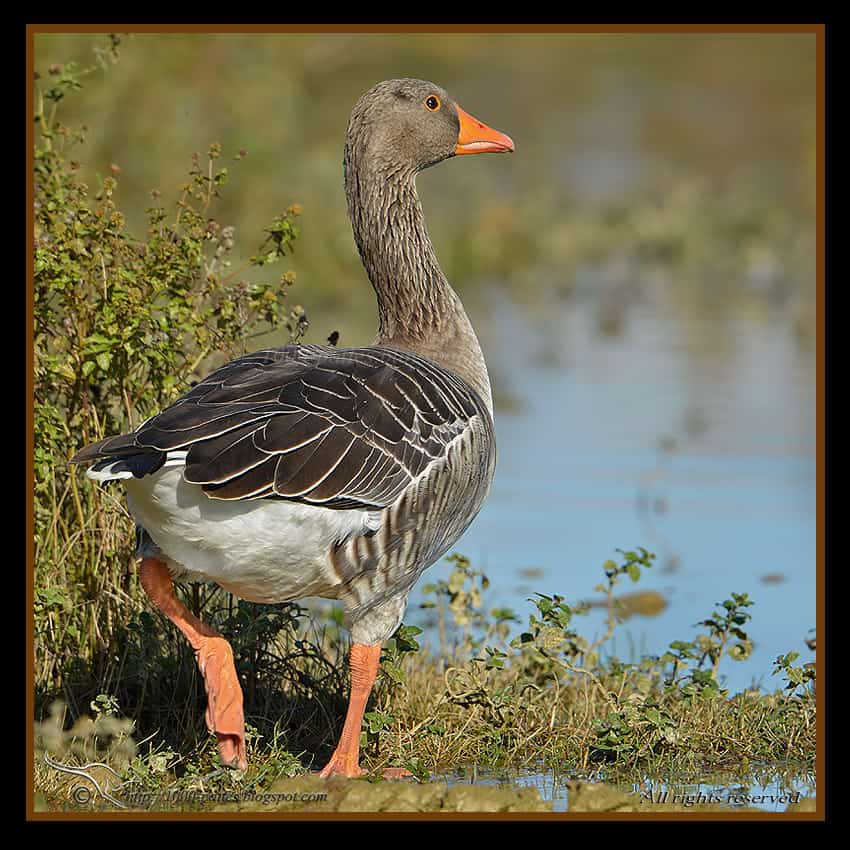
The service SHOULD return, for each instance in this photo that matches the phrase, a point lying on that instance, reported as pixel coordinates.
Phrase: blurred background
(641, 273)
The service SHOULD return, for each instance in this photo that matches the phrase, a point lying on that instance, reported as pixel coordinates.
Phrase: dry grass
(540, 706)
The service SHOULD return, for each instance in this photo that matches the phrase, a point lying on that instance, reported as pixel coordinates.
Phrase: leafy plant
(122, 324)
(458, 602)
(550, 641)
(724, 636)
(797, 678)
(402, 642)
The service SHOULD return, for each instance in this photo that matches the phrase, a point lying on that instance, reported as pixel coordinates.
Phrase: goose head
(403, 126)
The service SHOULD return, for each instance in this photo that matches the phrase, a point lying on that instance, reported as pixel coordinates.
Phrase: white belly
(264, 550)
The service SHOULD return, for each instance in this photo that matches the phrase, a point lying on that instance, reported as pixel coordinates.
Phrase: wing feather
(337, 427)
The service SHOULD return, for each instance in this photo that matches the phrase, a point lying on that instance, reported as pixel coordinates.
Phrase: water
(693, 437)
(772, 793)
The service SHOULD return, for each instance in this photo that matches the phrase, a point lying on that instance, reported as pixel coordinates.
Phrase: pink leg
(224, 714)
(345, 760)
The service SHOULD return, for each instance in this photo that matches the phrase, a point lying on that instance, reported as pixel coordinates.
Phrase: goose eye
(433, 103)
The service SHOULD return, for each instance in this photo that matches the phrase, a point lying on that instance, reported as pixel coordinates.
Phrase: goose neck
(417, 308)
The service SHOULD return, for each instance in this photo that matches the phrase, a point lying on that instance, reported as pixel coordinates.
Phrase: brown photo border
(819, 30)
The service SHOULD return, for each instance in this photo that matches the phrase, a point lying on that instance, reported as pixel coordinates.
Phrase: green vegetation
(546, 700)
(122, 324)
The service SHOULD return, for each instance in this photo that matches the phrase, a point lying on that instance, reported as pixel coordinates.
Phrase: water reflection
(769, 788)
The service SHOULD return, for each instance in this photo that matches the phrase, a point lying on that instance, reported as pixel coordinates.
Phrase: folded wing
(337, 427)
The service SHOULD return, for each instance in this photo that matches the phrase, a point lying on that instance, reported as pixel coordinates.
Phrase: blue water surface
(693, 437)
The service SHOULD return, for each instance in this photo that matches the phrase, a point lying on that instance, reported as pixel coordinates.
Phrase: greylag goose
(311, 470)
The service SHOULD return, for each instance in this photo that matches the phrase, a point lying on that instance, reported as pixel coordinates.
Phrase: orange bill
(475, 137)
